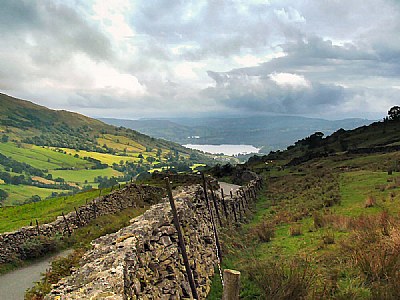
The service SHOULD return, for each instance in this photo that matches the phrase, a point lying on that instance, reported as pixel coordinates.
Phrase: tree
(4, 138)
(3, 195)
(394, 113)
(150, 159)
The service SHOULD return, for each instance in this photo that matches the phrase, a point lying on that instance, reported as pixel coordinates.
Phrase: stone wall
(143, 260)
(132, 195)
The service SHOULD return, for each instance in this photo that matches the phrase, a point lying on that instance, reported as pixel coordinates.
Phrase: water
(14, 284)
(224, 148)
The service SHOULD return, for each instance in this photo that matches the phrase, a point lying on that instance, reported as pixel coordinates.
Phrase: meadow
(14, 217)
(319, 233)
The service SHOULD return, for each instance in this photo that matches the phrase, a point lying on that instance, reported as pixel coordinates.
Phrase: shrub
(370, 202)
(318, 220)
(38, 247)
(264, 231)
(328, 238)
(280, 281)
(295, 230)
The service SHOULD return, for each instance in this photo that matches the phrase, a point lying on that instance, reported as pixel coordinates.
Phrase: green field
(42, 158)
(12, 218)
(19, 193)
(103, 157)
(79, 176)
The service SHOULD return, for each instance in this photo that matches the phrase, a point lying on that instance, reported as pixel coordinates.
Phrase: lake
(225, 149)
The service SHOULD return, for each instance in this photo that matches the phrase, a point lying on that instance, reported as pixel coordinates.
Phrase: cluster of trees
(105, 182)
(130, 169)
(3, 196)
(97, 163)
(19, 167)
(393, 114)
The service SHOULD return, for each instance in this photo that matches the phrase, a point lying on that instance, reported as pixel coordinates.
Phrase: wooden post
(234, 210)
(223, 203)
(30, 224)
(219, 252)
(231, 285)
(94, 209)
(215, 206)
(182, 245)
(100, 193)
(66, 224)
(78, 216)
(37, 227)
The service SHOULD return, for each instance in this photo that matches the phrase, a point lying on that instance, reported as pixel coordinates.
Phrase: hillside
(46, 152)
(378, 137)
(327, 223)
(268, 132)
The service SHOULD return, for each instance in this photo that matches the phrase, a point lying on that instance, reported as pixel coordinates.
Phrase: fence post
(219, 252)
(78, 216)
(66, 223)
(223, 203)
(37, 227)
(231, 285)
(182, 245)
(215, 206)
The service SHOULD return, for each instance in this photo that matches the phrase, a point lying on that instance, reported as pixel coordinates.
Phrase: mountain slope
(46, 152)
(378, 137)
(270, 132)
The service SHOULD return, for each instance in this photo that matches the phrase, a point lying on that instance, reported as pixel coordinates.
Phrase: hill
(326, 224)
(268, 132)
(378, 137)
(46, 152)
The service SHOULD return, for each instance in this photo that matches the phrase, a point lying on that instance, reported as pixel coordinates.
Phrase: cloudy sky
(133, 59)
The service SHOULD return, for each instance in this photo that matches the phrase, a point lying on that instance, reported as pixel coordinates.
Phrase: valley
(46, 153)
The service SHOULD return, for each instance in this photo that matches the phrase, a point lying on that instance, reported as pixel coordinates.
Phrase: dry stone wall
(143, 260)
(132, 195)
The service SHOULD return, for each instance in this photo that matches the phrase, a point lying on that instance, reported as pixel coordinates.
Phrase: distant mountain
(269, 132)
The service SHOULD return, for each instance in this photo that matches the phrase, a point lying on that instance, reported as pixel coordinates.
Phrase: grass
(19, 193)
(79, 176)
(103, 157)
(42, 158)
(45, 211)
(339, 247)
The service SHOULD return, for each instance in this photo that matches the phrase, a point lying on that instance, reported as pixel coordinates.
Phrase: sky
(133, 59)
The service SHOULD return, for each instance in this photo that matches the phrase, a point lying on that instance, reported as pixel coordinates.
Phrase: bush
(370, 202)
(280, 281)
(295, 230)
(264, 231)
(38, 247)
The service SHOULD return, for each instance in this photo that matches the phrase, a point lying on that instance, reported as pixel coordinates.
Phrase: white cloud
(288, 79)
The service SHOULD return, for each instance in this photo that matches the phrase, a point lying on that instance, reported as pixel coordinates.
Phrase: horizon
(135, 59)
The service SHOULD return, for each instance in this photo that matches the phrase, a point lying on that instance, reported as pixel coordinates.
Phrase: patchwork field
(42, 158)
(19, 193)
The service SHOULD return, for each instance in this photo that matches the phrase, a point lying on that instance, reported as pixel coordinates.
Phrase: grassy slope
(12, 218)
(360, 176)
(21, 119)
(42, 158)
(19, 193)
(79, 176)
